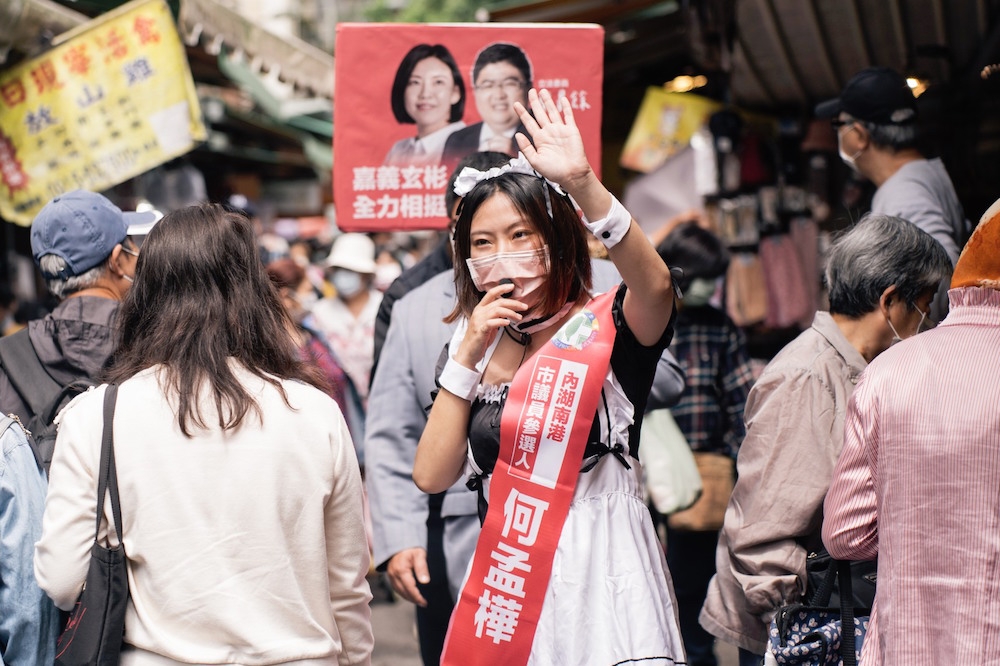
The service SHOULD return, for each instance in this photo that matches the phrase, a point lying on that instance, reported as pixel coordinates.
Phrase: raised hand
(557, 151)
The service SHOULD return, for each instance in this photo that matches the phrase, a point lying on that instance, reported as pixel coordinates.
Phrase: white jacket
(244, 546)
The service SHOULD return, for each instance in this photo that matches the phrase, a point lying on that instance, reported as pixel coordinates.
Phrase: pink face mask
(526, 269)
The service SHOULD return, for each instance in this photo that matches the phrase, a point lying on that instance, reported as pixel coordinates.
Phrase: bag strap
(821, 597)
(108, 476)
(848, 651)
(26, 373)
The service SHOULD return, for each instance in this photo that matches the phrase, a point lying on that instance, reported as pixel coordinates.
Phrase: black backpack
(43, 395)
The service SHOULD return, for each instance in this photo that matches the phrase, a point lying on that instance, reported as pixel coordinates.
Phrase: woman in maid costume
(543, 387)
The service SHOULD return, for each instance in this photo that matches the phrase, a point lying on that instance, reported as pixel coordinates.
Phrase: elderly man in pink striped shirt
(918, 480)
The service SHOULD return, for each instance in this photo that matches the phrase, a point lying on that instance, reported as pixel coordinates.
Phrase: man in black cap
(876, 122)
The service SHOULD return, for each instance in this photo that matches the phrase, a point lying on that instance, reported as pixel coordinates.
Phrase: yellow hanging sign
(113, 101)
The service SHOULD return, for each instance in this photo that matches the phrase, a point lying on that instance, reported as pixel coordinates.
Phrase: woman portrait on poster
(428, 92)
(523, 279)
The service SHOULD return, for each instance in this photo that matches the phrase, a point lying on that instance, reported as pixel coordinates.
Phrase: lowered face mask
(526, 269)
(849, 160)
(699, 292)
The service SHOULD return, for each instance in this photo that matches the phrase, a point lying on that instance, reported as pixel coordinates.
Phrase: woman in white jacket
(240, 489)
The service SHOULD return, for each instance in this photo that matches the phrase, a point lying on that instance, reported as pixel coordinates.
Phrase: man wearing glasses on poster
(501, 76)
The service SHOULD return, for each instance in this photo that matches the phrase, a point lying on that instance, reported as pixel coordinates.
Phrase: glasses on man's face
(837, 123)
(128, 250)
(511, 85)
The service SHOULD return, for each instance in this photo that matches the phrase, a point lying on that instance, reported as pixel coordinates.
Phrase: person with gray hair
(875, 118)
(881, 277)
(86, 249)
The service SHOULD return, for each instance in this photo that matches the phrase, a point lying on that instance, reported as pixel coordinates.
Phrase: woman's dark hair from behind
(569, 270)
(696, 250)
(200, 299)
(406, 67)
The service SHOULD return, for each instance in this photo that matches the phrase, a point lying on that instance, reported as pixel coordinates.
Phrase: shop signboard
(663, 127)
(112, 101)
(412, 99)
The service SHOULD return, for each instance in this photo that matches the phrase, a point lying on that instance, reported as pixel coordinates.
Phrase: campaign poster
(411, 100)
(663, 127)
(113, 101)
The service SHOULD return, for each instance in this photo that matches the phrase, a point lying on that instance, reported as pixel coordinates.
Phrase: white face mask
(307, 300)
(385, 274)
(347, 283)
(526, 269)
(895, 335)
(849, 160)
(699, 292)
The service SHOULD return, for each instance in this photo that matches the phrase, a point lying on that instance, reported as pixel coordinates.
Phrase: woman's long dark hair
(201, 298)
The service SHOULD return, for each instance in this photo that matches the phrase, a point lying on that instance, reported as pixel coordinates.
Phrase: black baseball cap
(877, 95)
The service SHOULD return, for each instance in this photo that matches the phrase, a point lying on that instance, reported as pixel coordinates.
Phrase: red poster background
(565, 58)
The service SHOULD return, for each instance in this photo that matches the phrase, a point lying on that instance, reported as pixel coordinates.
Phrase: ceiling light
(917, 85)
(685, 83)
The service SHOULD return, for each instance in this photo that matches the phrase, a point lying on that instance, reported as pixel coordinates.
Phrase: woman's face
(497, 226)
(430, 94)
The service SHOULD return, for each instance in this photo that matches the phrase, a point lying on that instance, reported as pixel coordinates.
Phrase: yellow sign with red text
(110, 103)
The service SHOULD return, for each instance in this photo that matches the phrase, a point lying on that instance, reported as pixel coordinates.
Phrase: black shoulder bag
(93, 635)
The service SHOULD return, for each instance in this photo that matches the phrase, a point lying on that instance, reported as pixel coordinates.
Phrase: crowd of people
(470, 428)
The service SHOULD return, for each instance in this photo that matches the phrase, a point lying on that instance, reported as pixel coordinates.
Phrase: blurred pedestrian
(713, 355)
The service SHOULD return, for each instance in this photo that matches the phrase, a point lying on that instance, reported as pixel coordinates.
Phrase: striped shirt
(918, 484)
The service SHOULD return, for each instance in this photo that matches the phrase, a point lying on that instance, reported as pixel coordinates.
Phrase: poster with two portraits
(412, 100)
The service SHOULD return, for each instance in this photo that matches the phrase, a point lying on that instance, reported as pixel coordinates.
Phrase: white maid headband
(470, 177)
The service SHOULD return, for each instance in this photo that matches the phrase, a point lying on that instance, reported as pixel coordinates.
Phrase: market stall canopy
(285, 57)
(25, 24)
(790, 54)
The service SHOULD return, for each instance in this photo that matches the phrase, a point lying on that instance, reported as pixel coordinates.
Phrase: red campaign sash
(544, 428)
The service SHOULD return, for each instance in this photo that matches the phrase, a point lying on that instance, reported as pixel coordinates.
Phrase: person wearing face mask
(920, 461)
(713, 354)
(87, 249)
(878, 292)
(348, 318)
(567, 567)
(299, 297)
(876, 122)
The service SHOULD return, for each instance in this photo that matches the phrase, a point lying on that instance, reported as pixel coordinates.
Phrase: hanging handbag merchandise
(718, 477)
(93, 635)
(812, 634)
(671, 474)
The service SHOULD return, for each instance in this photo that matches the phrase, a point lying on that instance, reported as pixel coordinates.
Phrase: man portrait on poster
(501, 76)
(428, 92)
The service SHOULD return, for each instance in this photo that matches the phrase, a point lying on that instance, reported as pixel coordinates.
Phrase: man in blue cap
(86, 249)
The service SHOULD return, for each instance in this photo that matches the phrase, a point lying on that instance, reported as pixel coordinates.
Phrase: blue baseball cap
(83, 228)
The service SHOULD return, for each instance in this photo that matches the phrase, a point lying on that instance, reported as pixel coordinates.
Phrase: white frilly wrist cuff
(459, 380)
(611, 228)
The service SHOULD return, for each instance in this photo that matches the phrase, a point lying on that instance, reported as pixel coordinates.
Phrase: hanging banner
(663, 127)
(113, 101)
(412, 100)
